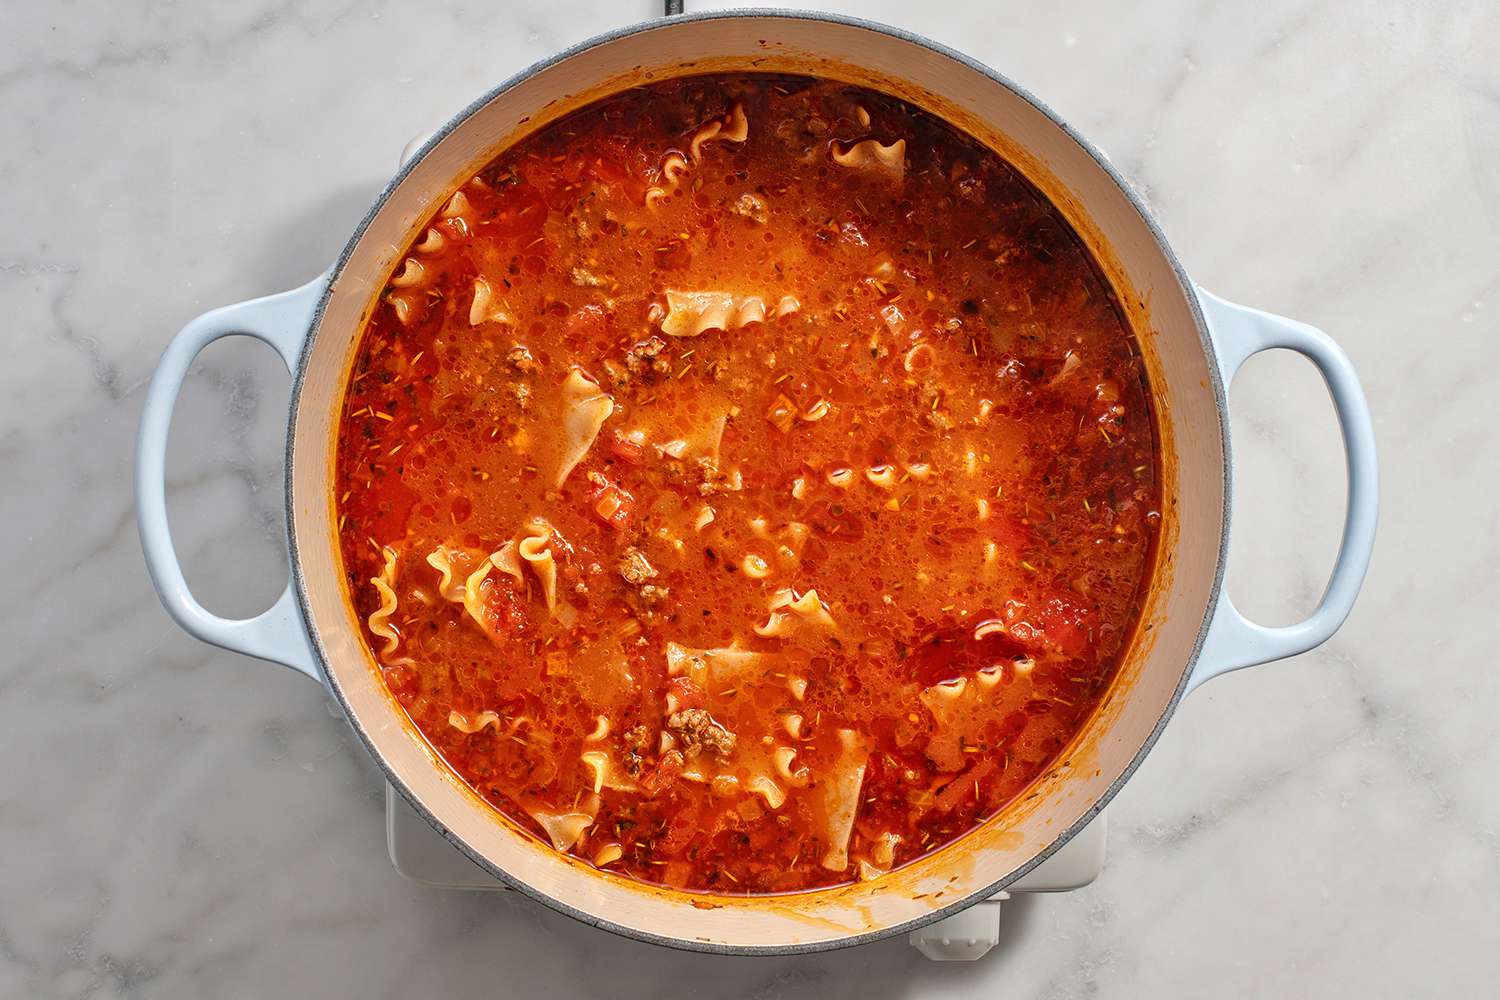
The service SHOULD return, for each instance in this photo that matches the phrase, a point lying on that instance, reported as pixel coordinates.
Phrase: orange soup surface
(747, 483)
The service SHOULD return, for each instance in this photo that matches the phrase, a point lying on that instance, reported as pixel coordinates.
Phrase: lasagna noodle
(838, 799)
(533, 550)
(484, 307)
(793, 614)
(454, 564)
(725, 665)
(565, 827)
(380, 619)
(959, 708)
(869, 155)
(690, 314)
(585, 409)
(473, 723)
(686, 436)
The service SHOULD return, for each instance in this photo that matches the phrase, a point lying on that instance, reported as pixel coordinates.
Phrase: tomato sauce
(749, 483)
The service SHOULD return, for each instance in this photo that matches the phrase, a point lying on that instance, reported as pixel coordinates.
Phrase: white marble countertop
(180, 822)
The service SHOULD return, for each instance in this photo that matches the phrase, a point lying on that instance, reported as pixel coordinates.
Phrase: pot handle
(277, 634)
(1233, 641)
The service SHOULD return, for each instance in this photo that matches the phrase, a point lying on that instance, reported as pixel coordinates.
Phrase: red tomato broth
(949, 440)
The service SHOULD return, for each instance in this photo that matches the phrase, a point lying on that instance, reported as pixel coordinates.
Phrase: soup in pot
(747, 483)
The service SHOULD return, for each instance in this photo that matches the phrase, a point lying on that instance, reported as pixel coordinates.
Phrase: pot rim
(1216, 384)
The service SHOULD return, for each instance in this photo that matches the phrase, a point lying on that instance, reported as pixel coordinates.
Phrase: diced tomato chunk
(610, 503)
(1057, 621)
(502, 607)
(1067, 623)
(1011, 533)
(626, 450)
(681, 829)
(585, 323)
(689, 695)
(615, 175)
(662, 775)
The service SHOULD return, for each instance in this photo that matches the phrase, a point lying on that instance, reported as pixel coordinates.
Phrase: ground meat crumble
(638, 737)
(752, 207)
(697, 731)
(584, 278)
(635, 568)
(645, 358)
(637, 741)
(521, 360)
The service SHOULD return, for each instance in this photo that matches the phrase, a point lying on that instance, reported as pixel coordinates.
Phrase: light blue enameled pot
(1193, 344)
